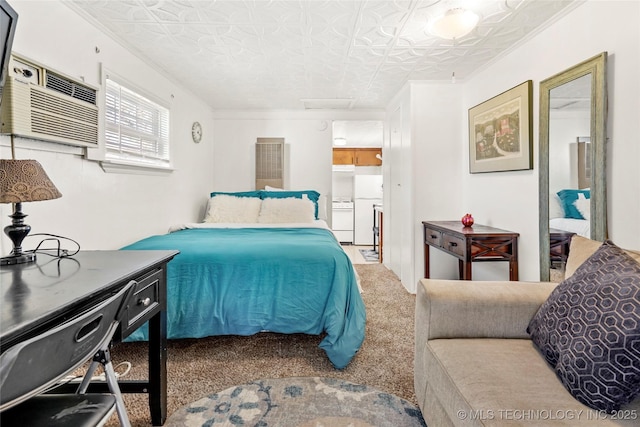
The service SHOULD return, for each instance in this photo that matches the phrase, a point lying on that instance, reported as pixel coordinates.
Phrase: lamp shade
(455, 23)
(25, 181)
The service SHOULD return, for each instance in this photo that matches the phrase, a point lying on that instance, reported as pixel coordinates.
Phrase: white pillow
(224, 208)
(555, 206)
(286, 210)
(584, 206)
(322, 201)
(322, 207)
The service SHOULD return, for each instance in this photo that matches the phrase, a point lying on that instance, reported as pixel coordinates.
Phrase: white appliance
(344, 168)
(367, 191)
(342, 220)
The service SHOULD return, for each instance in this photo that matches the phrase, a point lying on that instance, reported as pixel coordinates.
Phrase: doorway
(357, 162)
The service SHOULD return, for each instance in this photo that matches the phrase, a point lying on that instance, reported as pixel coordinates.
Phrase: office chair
(35, 366)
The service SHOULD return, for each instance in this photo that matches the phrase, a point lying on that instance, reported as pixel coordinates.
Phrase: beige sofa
(476, 366)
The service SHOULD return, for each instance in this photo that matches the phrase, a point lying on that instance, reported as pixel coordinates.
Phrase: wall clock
(196, 132)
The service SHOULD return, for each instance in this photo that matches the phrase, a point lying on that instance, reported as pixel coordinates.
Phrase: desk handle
(144, 302)
(433, 236)
(88, 328)
(453, 244)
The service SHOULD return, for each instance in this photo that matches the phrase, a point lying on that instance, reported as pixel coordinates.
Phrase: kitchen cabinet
(367, 156)
(357, 156)
(344, 156)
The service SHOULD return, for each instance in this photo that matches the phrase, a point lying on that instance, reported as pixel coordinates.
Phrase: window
(136, 128)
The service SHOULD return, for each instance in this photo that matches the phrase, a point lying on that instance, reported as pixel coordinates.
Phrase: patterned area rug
(369, 254)
(299, 402)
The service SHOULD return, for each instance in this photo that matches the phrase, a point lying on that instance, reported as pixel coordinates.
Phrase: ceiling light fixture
(339, 141)
(455, 23)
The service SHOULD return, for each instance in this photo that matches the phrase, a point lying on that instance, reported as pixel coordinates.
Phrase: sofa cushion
(589, 329)
(498, 382)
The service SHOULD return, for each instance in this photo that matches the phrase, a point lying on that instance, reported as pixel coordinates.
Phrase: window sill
(135, 169)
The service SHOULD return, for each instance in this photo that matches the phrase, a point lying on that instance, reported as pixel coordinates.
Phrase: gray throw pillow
(588, 330)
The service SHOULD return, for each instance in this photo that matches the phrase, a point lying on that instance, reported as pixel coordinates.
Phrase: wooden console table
(559, 243)
(471, 244)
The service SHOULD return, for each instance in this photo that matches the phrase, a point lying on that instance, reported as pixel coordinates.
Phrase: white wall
(510, 199)
(444, 188)
(396, 168)
(563, 152)
(100, 210)
(423, 176)
(438, 169)
(307, 135)
(106, 211)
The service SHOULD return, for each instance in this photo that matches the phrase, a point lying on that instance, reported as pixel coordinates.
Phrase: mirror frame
(597, 67)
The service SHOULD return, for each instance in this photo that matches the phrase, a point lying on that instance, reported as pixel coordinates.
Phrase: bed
(264, 262)
(569, 210)
(569, 214)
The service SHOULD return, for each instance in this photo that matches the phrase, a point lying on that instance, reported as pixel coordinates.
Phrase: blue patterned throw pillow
(588, 330)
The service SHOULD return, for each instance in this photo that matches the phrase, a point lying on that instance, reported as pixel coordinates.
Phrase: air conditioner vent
(270, 163)
(49, 125)
(49, 106)
(68, 87)
(62, 107)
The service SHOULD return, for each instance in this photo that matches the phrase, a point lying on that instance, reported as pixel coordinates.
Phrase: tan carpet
(200, 367)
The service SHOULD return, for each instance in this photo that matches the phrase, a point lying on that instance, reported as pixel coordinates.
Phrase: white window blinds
(136, 129)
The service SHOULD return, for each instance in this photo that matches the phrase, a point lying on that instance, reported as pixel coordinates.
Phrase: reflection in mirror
(569, 122)
(572, 160)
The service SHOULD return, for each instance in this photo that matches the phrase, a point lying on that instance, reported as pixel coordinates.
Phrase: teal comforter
(241, 281)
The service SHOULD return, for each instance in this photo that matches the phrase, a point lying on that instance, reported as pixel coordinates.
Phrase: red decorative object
(467, 220)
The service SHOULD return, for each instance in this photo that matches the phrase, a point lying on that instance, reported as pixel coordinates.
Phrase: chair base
(62, 410)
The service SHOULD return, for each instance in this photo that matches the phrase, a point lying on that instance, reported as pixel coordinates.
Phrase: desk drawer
(145, 299)
(432, 237)
(453, 244)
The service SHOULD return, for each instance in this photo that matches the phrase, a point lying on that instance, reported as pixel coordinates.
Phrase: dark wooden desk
(37, 296)
(471, 244)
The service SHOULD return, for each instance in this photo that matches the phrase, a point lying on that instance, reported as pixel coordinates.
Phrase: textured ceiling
(256, 55)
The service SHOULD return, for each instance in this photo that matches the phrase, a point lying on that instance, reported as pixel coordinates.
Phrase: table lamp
(22, 181)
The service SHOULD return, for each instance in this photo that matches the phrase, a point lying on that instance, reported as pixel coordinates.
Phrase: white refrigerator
(367, 191)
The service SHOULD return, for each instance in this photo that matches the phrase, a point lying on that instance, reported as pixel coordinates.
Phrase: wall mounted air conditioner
(43, 104)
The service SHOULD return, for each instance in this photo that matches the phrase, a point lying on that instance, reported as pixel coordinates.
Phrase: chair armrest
(481, 309)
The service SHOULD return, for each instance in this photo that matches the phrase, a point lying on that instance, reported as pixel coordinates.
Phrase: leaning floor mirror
(572, 140)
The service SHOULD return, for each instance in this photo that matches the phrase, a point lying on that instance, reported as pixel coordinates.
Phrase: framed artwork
(500, 132)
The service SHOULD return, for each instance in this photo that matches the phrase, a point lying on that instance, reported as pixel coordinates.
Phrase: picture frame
(500, 131)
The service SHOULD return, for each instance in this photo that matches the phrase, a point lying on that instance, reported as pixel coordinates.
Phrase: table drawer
(145, 299)
(453, 244)
(432, 237)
